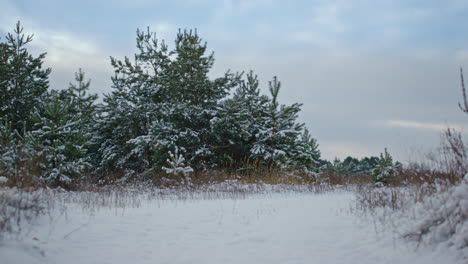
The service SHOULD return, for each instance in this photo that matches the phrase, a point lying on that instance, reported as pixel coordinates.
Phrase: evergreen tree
(368, 164)
(334, 167)
(385, 169)
(22, 80)
(193, 101)
(306, 155)
(164, 101)
(239, 122)
(276, 141)
(177, 167)
(17, 158)
(59, 140)
(125, 120)
(82, 103)
(253, 127)
(351, 166)
(8, 149)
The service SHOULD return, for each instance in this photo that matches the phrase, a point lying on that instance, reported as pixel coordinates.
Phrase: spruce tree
(23, 81)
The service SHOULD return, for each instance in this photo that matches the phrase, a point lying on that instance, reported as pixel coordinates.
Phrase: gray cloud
(370, 74)
(350, 100)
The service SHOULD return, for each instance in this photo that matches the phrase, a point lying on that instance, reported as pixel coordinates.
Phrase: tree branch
(463, 107)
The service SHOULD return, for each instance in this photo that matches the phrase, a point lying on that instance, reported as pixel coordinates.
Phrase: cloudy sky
(371, 74)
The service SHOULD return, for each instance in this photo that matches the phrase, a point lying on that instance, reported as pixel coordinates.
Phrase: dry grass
(19, 208)
(428, 198)
(443, 168)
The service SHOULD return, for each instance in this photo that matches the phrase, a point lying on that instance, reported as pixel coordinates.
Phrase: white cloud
(330, 16)
(422, 125)
(8, 15)
(132, 4)
(326, 22)
(66, 50)
(62, 47)
(315, 38)
(228, 10)
(164, 30)
(461, 56)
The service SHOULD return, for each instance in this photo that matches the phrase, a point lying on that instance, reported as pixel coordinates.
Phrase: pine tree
(122, 139)
(59, 140)
(22, 80)
(164, 100)
(17, 157)
(386, 169)
(253, 127)
(368, 164)
(8, 149)
(239, 122)
(82, 103)
(307, 155)
(177, 167)
(193, 101)
(276, 141)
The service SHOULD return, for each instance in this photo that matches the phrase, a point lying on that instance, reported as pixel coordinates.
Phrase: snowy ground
(293, 227)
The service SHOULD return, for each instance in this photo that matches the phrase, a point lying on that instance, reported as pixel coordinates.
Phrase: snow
(443, 218)
(3, 179)
(267, 227)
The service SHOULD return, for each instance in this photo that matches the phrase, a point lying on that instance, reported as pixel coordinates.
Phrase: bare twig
(464, 106)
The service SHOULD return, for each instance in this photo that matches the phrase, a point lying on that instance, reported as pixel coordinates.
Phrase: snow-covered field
(268, 227)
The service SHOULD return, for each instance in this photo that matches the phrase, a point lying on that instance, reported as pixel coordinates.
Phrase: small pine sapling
(385, 169)
(177, 165)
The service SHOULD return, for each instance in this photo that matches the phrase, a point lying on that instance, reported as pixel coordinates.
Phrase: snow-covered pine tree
(23, 81)
(368, 164)
(59, 141)
(122, 139)
(83, 107)
(8, 140)
(231, 132)
(17, 158)
(82, 102)
(336, 167)
(239, 122)
(351, 166)
(276, 142)
(177, 167)
(306, 154)
(193, 101)
(9, 155)
(386, 169)
(165, 99)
